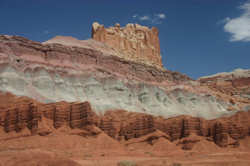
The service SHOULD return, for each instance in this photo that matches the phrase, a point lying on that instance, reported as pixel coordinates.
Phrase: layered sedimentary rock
(53, 72)
(85, 97)
(223, 131)
(21, 113)
(235, 84)
(75, 115)
(122, 125)
(132, 42)
(21, 116)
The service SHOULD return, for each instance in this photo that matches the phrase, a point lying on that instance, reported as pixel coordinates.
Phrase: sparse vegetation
(87, 156)
(126, 163)
(176, 164)
(149, 153)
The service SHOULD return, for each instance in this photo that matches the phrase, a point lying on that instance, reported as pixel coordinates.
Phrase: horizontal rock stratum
(133, 42)
(53, 72)
(18, 113)
(78, 102)
(235, 83)
(78, 135)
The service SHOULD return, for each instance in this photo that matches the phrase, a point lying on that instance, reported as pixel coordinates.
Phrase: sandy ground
(64, 147)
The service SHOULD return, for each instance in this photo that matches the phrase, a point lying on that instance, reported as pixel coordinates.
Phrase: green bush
(149, 153)
(126, 163)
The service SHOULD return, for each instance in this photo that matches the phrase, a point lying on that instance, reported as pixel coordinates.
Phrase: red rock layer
(19, 117)
(237, 87)
(135, 42)
(123, 125)
(75, 115)
(229, 86)
(29, 114)
(63, 59)
(223, 131)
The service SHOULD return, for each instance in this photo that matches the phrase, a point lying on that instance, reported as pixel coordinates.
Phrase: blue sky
(197, 37)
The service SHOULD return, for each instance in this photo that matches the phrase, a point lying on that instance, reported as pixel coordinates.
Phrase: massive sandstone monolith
(133, 42)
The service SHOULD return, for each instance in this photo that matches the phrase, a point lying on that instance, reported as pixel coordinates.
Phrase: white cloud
(239, 27)
(153, 19)
(224, 21)
(144, 18)
(135, 15)
(161, 15)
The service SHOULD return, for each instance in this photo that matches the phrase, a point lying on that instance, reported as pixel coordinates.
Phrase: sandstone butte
(133, 42)
(36, 130)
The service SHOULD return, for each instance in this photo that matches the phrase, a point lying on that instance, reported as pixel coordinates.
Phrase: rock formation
(235, 84)
(110, 96)
(17, 118)
(122, 125)
(52, 72)
(223, 131)
(133, 42)
(75, 115)
(68, 69)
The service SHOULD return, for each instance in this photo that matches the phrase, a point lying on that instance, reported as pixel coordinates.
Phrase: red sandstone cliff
(133, 42)
(121, 125)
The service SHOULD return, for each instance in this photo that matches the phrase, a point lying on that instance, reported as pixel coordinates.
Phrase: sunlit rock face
(27, 117)
(235, 84)
(55, 72)
(109, 93)
(132, 42)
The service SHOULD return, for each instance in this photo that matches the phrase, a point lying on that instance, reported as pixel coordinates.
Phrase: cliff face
(222, 131)
(112, 96)
(235, 84)
(119, 124)
(52, 72)
(133, 42)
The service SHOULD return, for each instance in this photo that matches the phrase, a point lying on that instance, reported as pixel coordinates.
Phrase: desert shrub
(126, 163)
(149, 153)
(87, 155)
(176, 164)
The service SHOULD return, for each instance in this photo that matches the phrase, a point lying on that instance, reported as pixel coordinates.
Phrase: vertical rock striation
(121, 125)
(133, 42)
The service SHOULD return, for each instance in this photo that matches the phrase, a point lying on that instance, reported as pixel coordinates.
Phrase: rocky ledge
(43, 119)
(235, 84)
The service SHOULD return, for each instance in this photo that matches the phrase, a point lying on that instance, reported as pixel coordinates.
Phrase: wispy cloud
(144, 18)
(161, 15)
(135, 15)
(153, 18)
(239, 27)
